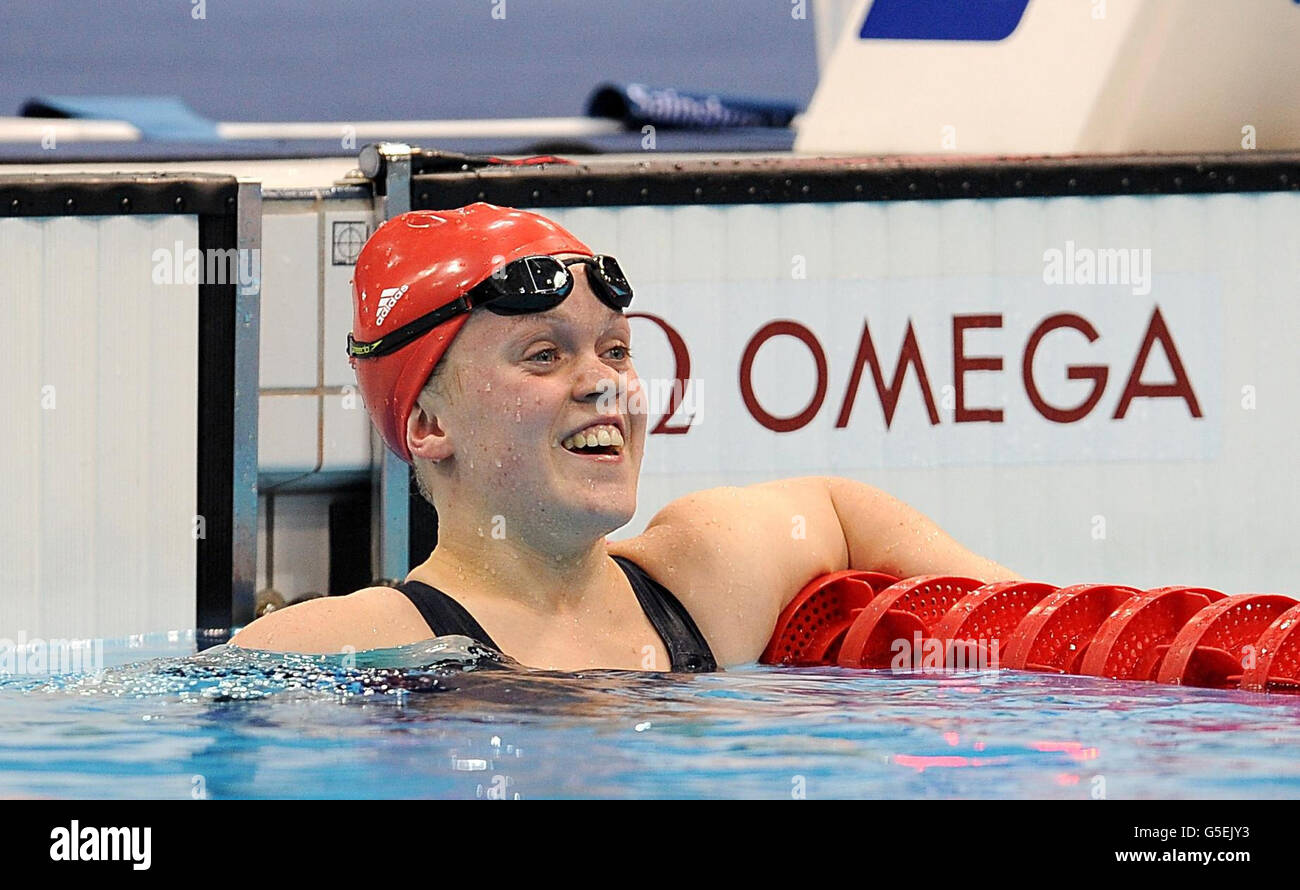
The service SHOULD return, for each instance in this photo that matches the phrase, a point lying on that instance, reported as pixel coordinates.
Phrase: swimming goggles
(526, 285)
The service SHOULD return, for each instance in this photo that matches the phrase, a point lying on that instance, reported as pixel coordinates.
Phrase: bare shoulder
(736, 555)
(371, 618)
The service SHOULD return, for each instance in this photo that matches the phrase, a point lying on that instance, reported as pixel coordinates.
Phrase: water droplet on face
(498, 465)
(487, 387)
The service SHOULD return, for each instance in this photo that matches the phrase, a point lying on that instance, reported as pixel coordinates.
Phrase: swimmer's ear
(425, 436)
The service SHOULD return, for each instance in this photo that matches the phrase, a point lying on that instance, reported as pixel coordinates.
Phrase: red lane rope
(1194, 636)
(901, 612)
(988, 616)
(1276, 666)
(810, 628)
(1211, 649)
(1057, 632)
(1132, 642)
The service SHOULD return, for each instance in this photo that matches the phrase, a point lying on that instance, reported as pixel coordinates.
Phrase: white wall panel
(288, 433)
(98, 460)
(346, 442)
(290, 300)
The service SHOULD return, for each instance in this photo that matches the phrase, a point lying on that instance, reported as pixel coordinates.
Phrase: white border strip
(522, 127)
(40, 129)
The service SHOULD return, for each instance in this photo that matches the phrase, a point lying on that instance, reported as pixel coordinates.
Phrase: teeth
(604, 435)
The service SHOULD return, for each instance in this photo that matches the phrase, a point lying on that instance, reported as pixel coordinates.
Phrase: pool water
(443, 719)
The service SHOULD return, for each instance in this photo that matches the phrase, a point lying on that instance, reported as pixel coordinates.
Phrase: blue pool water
(438, 720)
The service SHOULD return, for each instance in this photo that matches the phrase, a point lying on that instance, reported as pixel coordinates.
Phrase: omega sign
(882, 368)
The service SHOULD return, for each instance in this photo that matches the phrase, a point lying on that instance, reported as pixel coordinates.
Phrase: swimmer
(488, 345)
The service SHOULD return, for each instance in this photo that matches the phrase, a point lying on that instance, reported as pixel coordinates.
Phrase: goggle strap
(405, 334)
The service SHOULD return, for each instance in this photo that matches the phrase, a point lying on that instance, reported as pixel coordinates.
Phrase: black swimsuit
(686, 645)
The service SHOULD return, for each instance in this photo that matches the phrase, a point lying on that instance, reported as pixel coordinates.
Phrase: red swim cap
(412, 265)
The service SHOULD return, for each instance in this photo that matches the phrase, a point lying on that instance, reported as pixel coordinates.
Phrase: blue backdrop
(398, 59)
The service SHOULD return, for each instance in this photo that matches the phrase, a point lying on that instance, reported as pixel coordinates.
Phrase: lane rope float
(1191, 636)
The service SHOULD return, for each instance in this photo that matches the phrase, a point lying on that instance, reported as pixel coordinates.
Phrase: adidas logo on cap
(388, 298)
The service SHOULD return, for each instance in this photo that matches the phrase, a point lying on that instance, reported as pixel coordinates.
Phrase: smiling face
(528, 418)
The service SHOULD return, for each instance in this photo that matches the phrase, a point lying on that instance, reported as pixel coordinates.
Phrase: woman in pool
(518, 419)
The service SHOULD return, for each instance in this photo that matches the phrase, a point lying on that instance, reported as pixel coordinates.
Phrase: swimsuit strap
(686, 646)
(443, 614)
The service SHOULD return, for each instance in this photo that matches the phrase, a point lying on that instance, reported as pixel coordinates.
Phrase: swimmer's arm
(373, 618)
(735, 556)
(883, 534)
